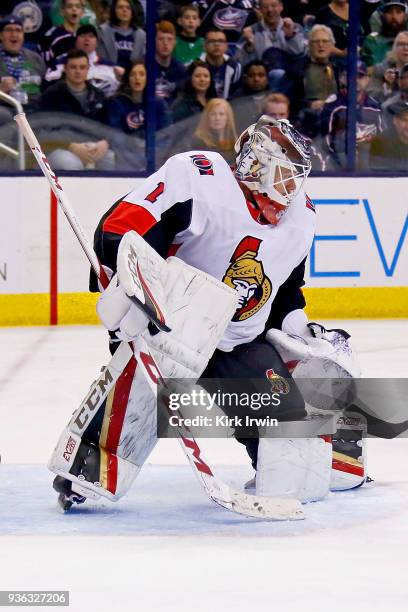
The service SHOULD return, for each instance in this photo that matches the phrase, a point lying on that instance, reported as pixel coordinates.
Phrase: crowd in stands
(78, 67)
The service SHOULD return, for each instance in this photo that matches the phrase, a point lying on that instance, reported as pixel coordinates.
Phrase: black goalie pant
(250, 369)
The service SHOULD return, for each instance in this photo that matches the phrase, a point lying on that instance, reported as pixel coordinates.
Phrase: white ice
(165, 546)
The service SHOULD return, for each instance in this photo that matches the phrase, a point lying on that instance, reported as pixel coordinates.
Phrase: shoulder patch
(204, 165)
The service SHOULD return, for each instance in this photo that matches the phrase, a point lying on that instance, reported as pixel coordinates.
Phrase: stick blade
(268, 508)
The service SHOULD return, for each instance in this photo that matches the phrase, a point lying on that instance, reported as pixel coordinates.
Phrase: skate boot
(349, 467)
(67, 496)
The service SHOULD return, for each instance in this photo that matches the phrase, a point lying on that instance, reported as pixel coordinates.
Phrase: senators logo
(278, 384)
(246, 275)
(204, 165)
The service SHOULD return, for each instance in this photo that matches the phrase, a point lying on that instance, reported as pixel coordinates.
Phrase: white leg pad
(294, 468)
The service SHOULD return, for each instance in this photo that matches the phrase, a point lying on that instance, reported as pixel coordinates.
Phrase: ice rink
(165, 546)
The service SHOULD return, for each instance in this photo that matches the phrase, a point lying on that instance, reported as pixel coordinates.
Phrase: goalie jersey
(194, 208)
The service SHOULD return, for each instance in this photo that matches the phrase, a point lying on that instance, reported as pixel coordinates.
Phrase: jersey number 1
(156, 193)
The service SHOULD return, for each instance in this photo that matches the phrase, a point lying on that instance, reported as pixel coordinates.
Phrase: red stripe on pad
(126, 217)
(117, 417)
(112, 472)
(341, 466)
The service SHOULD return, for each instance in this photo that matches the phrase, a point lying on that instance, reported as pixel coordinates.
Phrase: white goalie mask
(273, 161)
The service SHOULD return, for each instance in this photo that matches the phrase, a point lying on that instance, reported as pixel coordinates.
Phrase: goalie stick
(218, 491)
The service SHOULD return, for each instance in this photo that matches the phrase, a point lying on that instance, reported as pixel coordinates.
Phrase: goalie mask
(273, 161)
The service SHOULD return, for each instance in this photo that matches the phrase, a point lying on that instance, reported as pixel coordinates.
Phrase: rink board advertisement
(358, 265)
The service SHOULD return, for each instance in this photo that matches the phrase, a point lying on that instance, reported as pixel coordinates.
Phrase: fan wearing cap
(21, 70)
(102, 73)
(334, 120)
(393, 14)
(389, 150)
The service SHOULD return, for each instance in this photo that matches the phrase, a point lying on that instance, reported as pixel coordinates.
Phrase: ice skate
(67, 497)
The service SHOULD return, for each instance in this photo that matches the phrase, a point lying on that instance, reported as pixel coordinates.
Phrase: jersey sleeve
(143, 207)
(289, 297)
(158, 208)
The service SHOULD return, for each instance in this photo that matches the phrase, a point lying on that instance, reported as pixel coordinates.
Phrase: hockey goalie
(216, 257)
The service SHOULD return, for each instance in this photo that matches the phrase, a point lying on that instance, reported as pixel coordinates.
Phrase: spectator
(319, 80)
(189, 46)
(88, 16)
(230, 16)
(61, 39)
(102, 74)
(197, 90)
(384, 78)
(334, 120)
(21, 70)
(273, 32)
(401, 95)
(249, 99)
(74, 95)
(170, 74)
(216, 129)
(225, 71)
(389, 150)
(385, 83)
(335, 15)
(127, 109)
(122, 41)
(36, 22)
(377, 44)
(375, 21)
(276, 105)
(254, 79)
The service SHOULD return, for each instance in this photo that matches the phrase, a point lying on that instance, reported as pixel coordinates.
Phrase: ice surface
(165, 546)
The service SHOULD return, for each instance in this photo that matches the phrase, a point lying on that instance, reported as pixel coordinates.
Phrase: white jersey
(217, 231)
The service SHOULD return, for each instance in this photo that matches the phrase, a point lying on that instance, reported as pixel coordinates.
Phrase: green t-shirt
(375, 48)
(188, 49)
